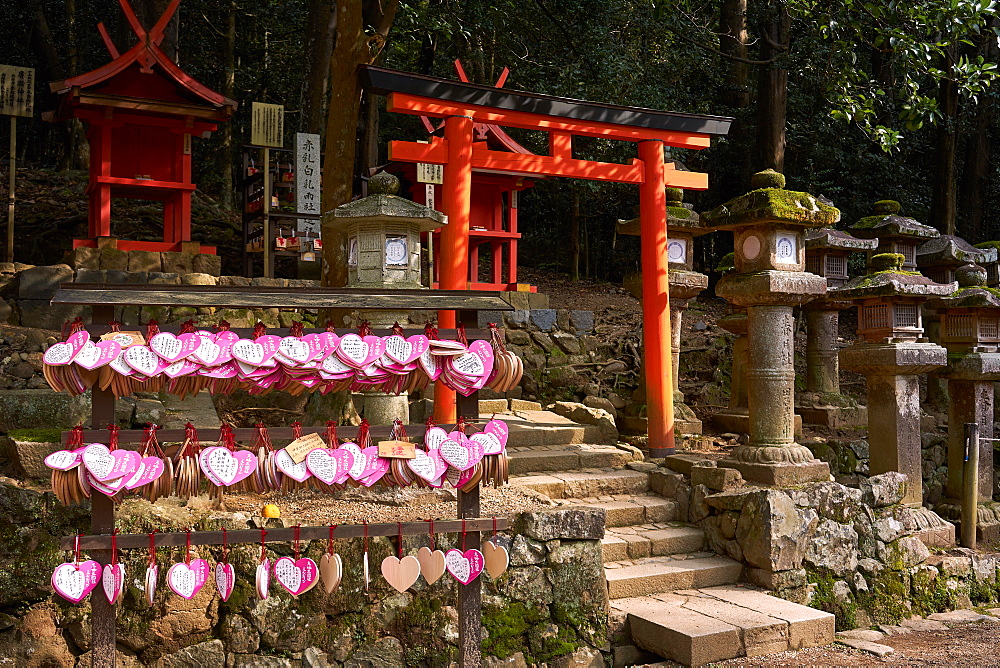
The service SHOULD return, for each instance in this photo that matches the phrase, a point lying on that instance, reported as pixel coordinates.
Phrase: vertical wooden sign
(267, 124)
(17, 98)
(307, 183)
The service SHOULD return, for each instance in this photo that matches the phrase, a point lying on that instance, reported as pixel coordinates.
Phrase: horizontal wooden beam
(208, 435)
(410, 104)
(275, 297)
(139, 541)
(436, 152)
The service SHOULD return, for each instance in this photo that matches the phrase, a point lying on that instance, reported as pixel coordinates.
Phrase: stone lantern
(970, 330)
(736, 417)
(383, 232)
(685, 283)
(892, 353)
(827, 253)
(769, 280)
(895, 233)
(938, 259)
(992, 268)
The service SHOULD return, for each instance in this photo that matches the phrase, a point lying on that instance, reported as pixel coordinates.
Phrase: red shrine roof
(142, 79)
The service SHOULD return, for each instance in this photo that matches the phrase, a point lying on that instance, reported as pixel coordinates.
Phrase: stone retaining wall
(851, 551)
(550, 605)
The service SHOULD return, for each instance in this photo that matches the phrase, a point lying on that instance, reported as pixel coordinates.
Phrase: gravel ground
(976, 644)
(313, 508)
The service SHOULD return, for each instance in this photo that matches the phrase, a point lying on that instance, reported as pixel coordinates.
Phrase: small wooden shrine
(141, 112)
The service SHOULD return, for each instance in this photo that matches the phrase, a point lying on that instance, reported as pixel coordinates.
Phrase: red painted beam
(411, 104)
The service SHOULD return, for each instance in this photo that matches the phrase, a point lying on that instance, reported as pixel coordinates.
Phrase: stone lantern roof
(383, 205)
(680, 217)
(828, 238)
(769, 202)
(886, 223)
(972, 291)
(889, 280)
(954, 251)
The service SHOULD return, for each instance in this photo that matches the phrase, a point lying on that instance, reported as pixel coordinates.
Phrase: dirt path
(975, 644)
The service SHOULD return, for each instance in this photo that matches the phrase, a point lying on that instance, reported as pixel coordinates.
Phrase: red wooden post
(453, 253)
(656, 301)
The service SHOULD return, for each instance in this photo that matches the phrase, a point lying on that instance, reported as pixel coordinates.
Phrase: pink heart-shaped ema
(152, 573)
(359, 464)
(262, 581)
(73, 581)
(64, 460)
(249, 352)
(225, 579)
(113, 582)
(226, 468)
(464, 566)
(372, 463)
(295, 349)
(144, 361)
(336, 368)
(461, 452)
(223, 371)
(457, 478)
(359, 352)
(297, 577)
(428, 465)
(120, 366)
(60, 354)
(434, 437)
(184, 367)
(95, 355)
(208, 351)
(77, 340)
(404, 351)
(150, 469)
(296, 471)
(186, 580)
(325, 344)
(104, 465)
(109, 488)
(330, 466)
(493, 437)
(429, 363)
(174, 348)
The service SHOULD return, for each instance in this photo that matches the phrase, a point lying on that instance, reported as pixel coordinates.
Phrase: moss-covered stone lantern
(892, 354)
(970, 330)
(992, 268)
(767, 225)
(685, 284)
(827, 253)
(895, 233)
(939, 258)
(383, 232)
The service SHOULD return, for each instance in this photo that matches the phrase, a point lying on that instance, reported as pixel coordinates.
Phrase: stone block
(885, 489)
(268, 282)
(112, 258)
(582, 321)
(198, 279)
(688, 637)
(543, 319)
(772, 532)
(563, 523)
(484, 318)
(38, 409)
(718, 479)
(91, 276)
(682, 462)
(144, 261)
(164, 278)
(489, 406)
(177, 263)
(519, 300)
(537, 300)
(134, 277)
(42, 282)
(41, 314)
(833, 546)
(524, 405)
(203, 263)
(120, 276)
(807, 627)
(234, 280)
(567, 343)
(84, 258)
(518, 319)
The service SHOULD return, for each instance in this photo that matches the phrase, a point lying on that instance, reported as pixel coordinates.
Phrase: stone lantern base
(780, 474)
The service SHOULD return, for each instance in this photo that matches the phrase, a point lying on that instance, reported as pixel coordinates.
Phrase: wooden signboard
(267, 124)
(17, 91)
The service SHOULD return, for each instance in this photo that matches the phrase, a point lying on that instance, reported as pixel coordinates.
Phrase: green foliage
(36, 435)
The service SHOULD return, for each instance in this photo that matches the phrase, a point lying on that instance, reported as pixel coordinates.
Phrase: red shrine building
(142, 112)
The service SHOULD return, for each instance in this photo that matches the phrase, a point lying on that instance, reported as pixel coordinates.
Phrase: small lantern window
(836, 266)
(906, 315)
(814, 264)
(875, 316)
(989, 328)
(958, 325)
(909, 252)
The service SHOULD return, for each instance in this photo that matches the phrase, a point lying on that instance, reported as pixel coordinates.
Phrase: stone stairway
(676, 599)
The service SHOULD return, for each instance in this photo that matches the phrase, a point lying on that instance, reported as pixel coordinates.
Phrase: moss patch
(36, 435)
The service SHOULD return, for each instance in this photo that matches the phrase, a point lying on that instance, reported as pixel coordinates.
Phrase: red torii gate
(463, 105)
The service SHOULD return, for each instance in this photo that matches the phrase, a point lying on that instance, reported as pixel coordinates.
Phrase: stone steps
(628, 510)
(570, 457)
(715, 623)
(584, 484)
(650, 540)
(656, 575)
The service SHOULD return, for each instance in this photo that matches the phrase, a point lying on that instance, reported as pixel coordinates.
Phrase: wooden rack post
(104, 297)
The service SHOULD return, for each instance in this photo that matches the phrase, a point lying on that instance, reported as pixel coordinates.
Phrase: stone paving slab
(686, 636)
(867, 646)
(960, 617)
(808, 627)
(662, 574)
(760, 633)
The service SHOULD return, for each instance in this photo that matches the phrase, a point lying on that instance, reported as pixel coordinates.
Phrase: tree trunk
(574, 239)
(352, 48)
(733, 42)
(977, 162)
(773, 91)
(149, 12)
(319, 47)
(943, 195)
(225, 155)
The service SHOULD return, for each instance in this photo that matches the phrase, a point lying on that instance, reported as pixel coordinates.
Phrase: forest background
(854, 101)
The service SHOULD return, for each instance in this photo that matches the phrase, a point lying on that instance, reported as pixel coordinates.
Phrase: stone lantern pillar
(892, 353)
(970, 330)
(685, 284)
(383, 232)
(767, 225)
(827, 252)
